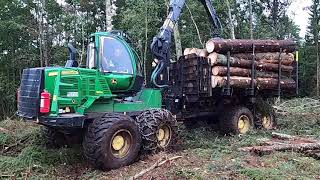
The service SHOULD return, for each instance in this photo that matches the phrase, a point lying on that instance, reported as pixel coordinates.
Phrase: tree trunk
(219, 59)
(230, 21)
(177, 40)
(260, 83)
(235, 71)
(108, 15)
(246, 46)
(251, 19)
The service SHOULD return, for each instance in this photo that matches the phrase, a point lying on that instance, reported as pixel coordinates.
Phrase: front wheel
(236, 120)
(112, 141)
(158, 128)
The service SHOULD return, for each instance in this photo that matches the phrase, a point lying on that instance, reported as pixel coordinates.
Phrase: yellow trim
(69, 72)
(53, 74)
(99, 92)
(55, 98)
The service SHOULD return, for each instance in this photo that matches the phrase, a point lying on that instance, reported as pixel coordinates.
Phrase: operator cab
(112, 55)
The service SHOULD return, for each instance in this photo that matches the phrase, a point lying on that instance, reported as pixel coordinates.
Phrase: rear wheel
(238, 120)
(266, 121)
(112, 141)
(54, 138)
(158, 128)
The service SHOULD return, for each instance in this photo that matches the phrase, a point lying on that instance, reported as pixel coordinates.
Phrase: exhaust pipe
(72, 62)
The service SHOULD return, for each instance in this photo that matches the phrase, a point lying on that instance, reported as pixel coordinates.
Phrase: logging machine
(105, 105)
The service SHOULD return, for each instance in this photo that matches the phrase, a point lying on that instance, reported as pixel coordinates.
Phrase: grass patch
(23, 153)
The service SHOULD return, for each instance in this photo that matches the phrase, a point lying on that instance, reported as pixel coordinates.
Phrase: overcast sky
(300, 14)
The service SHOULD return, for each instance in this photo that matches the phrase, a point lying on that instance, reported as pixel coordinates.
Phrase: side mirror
(72, 62)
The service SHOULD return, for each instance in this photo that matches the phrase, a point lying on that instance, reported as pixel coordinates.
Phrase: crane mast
(160, 47)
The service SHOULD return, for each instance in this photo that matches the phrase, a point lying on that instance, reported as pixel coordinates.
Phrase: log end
(202, 53)
(193, 51)
(210, 46)
(187, 51)
(213, 58)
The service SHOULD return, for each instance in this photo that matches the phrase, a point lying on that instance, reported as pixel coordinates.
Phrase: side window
(115, 56)
(91, 63)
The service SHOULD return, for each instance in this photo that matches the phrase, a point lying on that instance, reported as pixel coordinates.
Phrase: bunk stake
(227, 90)
(279, 74)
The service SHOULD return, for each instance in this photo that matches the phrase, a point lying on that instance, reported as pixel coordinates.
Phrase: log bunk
(250, 64)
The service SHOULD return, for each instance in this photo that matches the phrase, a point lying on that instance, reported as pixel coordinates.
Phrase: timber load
(264, 64)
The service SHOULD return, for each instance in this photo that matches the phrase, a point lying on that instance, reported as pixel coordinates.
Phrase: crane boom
(160, 47)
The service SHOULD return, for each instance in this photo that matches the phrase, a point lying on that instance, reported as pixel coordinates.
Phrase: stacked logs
(265, 61)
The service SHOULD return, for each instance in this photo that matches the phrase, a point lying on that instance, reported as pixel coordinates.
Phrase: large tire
(112, 141)
(236, 120)
(158, 128)
(54, 138)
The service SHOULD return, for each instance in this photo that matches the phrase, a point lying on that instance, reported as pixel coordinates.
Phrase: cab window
(115, 56)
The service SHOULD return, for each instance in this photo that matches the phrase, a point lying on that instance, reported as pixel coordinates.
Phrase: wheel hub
(244, 124)
(267, 122)
(118, 143)
(164, 135)
(161, 134)
(121, 143)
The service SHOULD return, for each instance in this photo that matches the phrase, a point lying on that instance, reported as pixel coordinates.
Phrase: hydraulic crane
(161, 44)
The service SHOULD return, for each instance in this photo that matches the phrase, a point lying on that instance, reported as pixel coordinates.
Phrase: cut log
(246, 46)
(260, 83)
(292, 138)
(202, 53)
(187, 51)
(273, 67)
(219, 59)
(283, 62)
(193, 51)
(282, 147)
(236, 71)
(266, 56)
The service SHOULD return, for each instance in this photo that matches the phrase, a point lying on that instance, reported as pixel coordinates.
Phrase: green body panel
(146, 99)
(84, 90)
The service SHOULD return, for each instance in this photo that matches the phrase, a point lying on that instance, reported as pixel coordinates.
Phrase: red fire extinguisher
(45, 102)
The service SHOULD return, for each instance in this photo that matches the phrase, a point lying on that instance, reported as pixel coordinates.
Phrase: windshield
(115, 56)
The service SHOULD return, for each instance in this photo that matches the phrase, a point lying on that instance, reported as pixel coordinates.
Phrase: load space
(262, 64)
(233, 80)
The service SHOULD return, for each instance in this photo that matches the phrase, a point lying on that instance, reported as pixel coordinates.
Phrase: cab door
(117, 63)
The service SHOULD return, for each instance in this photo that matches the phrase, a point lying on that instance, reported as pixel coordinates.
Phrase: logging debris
(285, 142)
(159, 163)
